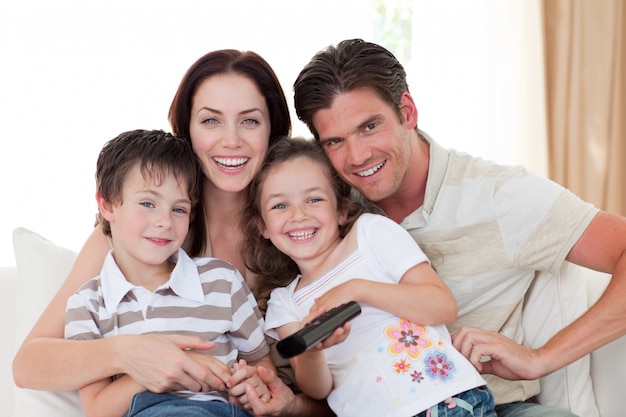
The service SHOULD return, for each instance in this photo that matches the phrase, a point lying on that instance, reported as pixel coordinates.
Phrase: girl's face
(300, 210)
(229, 128)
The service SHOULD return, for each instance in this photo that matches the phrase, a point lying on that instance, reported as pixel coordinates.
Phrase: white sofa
(591, 387)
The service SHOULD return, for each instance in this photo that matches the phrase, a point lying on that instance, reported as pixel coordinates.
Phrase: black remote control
(317, 330)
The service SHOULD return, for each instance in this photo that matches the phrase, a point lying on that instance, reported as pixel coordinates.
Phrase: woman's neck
(223, 216)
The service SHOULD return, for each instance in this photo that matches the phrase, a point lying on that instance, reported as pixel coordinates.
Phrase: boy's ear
(105, 208)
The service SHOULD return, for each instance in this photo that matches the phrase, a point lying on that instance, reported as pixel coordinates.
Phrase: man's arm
(602, 247)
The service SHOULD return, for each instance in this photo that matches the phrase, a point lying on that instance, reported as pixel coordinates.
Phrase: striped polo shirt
(204, 297)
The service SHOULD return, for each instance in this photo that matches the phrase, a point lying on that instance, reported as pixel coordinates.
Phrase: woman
(231, 106)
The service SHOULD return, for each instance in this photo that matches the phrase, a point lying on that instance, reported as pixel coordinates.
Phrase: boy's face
(151, 222)
(366, 142)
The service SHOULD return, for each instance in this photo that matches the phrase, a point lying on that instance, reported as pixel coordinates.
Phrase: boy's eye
(314, 199)
(147, 204)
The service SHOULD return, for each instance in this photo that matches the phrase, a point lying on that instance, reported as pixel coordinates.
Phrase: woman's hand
(243, 376)
(282, 401)
(162, 363)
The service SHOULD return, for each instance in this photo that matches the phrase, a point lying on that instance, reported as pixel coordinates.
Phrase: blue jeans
(523, 409)
(149, 404)
(477, 402)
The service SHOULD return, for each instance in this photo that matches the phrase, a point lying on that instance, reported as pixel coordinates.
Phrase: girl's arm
(421, 296)
(47, 361)
(108, 398)
(312, 373)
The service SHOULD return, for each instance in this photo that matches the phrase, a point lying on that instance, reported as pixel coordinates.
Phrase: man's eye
(370, 126)
(332, 142)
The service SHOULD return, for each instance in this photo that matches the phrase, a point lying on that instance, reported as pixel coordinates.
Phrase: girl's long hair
(274, 268)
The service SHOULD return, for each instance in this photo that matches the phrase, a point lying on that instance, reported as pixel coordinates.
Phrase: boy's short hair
(158, 154)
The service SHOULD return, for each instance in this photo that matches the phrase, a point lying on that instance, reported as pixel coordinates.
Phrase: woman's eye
(209, 121)
(250, 122)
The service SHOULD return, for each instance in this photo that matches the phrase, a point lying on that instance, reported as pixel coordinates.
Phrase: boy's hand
(244, 376)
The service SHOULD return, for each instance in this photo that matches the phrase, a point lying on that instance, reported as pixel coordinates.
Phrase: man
(488, 229)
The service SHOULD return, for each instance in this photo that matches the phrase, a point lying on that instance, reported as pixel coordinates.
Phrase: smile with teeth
(230, 163)
(371, 171)
(302, 234)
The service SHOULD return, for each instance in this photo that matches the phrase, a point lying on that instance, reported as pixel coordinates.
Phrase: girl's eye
(279, 206)
(314, 200)
(180, 210)
(147, 204)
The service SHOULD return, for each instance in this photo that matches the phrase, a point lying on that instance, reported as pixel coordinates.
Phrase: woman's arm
(421, 296)
(47, 361)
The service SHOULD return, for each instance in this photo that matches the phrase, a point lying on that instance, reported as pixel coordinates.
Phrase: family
(217, 240)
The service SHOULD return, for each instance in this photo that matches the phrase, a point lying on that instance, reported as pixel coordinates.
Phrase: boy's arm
(108, 398)
(421, 296)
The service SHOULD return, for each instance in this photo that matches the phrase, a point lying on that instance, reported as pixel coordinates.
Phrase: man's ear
(105, 208)
(408, 110)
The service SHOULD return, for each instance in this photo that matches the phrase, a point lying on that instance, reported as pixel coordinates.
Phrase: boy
(147, 184)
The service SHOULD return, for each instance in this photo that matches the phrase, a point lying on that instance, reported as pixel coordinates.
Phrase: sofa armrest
(8, 288)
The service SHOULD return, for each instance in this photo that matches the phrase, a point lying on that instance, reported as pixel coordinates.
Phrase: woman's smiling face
(229, 128)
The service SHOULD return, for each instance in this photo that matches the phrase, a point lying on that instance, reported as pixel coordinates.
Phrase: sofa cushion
(41, 267)
(552, 303)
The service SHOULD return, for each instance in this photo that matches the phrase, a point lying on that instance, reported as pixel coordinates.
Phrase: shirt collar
(184, 280)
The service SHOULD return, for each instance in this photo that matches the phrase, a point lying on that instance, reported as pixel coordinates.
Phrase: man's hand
(492, 353)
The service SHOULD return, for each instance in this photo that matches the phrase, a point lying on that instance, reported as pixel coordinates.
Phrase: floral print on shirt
(409, 342)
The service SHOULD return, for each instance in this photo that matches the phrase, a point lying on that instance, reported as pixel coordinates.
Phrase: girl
(317, 249)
